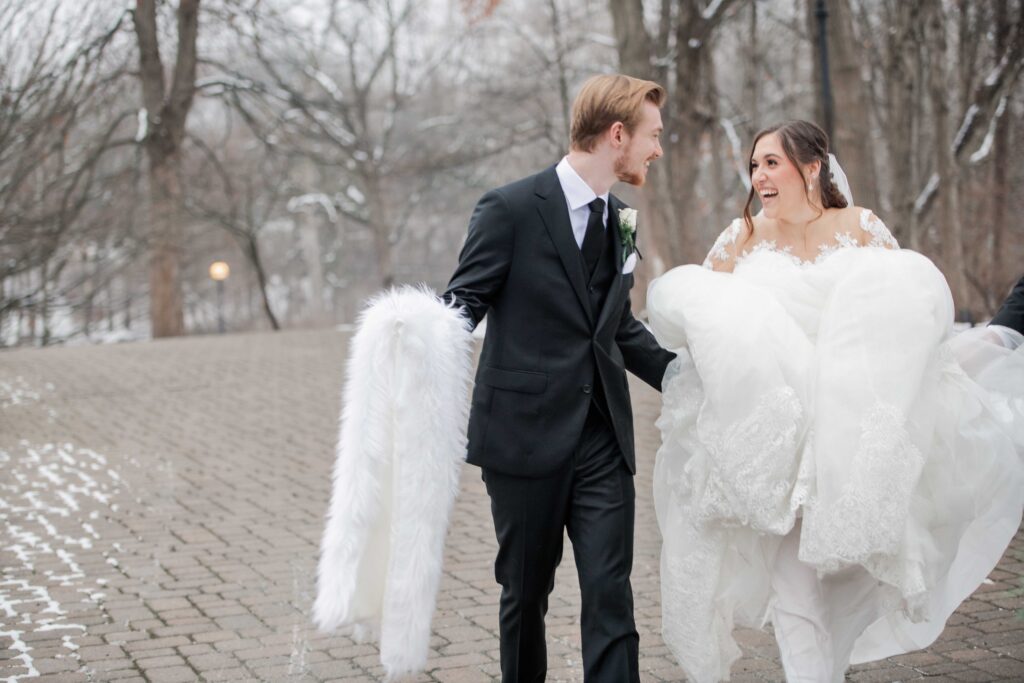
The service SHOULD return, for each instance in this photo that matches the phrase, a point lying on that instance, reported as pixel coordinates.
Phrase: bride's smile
(780, 184)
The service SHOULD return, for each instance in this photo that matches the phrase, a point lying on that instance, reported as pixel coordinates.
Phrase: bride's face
(776, 179)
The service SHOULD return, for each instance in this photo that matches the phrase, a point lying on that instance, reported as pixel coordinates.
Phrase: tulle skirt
(838, 393)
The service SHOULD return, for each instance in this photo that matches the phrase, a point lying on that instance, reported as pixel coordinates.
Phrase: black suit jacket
(1012, 313)
(544, 348)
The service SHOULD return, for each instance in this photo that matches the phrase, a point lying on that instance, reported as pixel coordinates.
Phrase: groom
(549, 260)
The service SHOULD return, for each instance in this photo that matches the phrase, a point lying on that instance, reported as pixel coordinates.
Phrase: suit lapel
(611, 299)
(555, 214)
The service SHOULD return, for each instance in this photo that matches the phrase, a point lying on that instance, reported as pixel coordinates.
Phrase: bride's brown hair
(803, 142)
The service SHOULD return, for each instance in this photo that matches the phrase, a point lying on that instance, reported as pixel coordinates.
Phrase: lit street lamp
(219, 272)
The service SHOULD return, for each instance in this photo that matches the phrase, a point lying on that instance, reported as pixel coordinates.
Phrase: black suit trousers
(592, 497)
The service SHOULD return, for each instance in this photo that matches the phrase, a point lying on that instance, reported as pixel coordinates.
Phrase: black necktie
(593, 240)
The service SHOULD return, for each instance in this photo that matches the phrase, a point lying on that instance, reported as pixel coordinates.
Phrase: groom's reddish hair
(604, 100)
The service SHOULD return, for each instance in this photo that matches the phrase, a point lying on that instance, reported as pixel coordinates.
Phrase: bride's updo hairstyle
(803, 142)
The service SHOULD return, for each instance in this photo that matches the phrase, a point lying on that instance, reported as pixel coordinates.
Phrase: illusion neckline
(844, 240)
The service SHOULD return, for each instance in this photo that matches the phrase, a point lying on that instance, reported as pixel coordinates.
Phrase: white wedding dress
(830, 403)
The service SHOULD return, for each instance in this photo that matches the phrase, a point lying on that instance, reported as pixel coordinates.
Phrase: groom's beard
(626, 174)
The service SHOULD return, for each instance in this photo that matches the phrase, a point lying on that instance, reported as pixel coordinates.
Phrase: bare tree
(57, 138)
(985, 105)
(678, 55)
(948, 217)
(941, 83)
(241, 200)
(368, 129)
(852, 125)
(996, 278)
(166, 109)
(367, 103)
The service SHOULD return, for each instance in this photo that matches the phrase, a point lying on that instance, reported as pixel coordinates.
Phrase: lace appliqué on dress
(720, 251)
(752, 465)
(880, 235)
(694, 626)
(866, 524)
(844, 240)
(869, 223)
(772, 246)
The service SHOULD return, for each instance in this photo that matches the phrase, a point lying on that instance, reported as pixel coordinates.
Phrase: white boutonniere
(627, 232)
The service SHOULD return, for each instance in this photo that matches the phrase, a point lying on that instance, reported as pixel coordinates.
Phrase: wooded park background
(327, 148)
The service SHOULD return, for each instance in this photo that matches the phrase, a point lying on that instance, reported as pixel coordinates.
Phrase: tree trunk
(631, 38)
(253, 251)
(634, 48)
(309, 242)
(690, 122)
(951, 249)
(166, 113)
(563, 77)
(901, 86)
(166, 312)
(671, 235)
(380, 225)
(1000, 277)
(752, 75)
(852, 134)
(719, 189)
(44, 305)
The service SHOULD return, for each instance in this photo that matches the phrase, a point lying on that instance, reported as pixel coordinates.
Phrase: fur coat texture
(405, 407)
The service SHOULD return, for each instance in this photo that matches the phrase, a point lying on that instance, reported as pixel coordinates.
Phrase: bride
(834, 459)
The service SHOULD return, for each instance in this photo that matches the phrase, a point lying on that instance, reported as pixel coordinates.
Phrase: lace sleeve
(723, 255)
(875, 232)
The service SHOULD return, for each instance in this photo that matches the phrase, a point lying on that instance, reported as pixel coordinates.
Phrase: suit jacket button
(587, 389)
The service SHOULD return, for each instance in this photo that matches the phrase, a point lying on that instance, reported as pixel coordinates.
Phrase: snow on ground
(46, 486)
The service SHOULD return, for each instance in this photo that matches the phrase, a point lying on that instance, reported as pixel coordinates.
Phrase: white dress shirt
(577, 195)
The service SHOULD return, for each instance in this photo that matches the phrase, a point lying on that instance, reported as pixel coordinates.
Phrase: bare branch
(150, 66)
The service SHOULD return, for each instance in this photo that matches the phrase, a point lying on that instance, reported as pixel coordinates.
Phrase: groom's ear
(617, 134)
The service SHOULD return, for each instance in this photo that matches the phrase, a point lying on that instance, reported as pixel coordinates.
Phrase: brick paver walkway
(161, 507)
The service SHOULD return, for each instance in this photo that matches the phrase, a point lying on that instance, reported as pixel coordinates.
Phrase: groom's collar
(577, 192)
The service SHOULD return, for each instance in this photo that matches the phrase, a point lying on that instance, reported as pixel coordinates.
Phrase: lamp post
(821, 12)
(219, 272)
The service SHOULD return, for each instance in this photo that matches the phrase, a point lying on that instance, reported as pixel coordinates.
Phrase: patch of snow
(437, 122)
(997, 72)
(738, 156)
(355, 194)
(986, 145)
(926, 194)
(965, 127)
(45, 482)
(18, 392)
(143, 129)
(316, 199)
(601, 39)
(327, 83)
(712, 9)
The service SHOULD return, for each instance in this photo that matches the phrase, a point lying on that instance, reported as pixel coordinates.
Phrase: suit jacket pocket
(523, 381)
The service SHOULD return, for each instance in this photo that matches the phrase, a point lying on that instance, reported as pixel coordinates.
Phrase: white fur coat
(405, 409)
